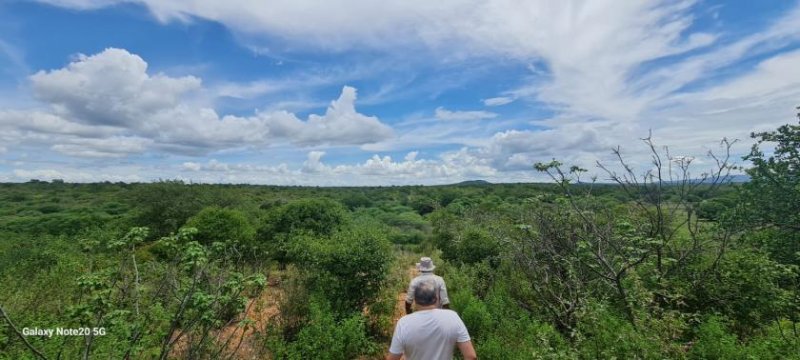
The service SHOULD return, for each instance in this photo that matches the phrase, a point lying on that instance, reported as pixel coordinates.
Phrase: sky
(359, 92)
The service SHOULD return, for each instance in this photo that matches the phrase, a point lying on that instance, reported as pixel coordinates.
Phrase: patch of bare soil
(237, 338)
(400, 306)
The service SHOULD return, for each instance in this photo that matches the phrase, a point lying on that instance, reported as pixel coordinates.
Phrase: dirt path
(238, 336)
(400, 306)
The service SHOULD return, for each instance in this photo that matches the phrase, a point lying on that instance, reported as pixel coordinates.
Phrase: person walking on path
(425, 266)
(430, 333)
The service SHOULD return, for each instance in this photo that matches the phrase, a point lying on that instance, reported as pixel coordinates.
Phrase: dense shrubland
(655, 265)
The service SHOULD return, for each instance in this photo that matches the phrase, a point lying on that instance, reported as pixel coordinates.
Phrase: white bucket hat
(425, 264)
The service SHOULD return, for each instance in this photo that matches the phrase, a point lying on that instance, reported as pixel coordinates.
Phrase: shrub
(714, 341)
(215, 224)
(308, 216)
(477, 245)
(318, 216)
(166, 205)
(348, 267)
(326, 338)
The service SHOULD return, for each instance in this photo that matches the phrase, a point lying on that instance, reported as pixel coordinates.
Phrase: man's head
(425, 293)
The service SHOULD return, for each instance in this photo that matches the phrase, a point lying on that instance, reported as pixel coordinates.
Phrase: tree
(216, 224)
(348, 267)
(770, 202)
(165, 206)
(307, 216)
(613, 247)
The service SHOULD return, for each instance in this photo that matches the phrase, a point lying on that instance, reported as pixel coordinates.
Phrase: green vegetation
(660, 265)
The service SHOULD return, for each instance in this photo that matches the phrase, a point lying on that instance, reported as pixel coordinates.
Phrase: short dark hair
(425, 293)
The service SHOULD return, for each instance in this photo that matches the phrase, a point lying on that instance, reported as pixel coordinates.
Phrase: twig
(22, 337)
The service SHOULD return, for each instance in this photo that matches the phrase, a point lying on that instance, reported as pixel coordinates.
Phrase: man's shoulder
(447, 313)
(424, 276)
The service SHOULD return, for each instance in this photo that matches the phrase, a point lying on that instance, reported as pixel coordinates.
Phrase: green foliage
(348, 267)
(357, 200)
(325, 337)
(500, 329)
(477, 245)
(605, 334)
(216, 224)
(772, 197)
(166, 205)
(747, 290)
(317, 216)
(307, 216)
(714, 342)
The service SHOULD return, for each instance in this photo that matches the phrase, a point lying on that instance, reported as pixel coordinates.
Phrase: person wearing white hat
(425, 267)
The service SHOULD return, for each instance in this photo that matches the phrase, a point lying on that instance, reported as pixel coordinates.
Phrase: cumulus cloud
(74, 175)
(314, 164)
(109, 147)
(110, 88)
(447, 115)
(109, 105)
(376, 170)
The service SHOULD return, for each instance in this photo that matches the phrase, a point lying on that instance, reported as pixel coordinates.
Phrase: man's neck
(427, 307)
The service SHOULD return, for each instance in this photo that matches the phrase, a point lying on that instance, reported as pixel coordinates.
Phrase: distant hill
(734, 179)
(473, 182)
(740, 178)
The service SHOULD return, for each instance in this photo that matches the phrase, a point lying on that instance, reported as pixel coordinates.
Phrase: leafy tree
(354, 200)
(348, 267)
(319, 216)
(166, 205)
(306, 216)
(771, 199)
(216, 224)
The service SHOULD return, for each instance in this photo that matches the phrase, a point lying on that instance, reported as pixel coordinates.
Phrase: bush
(747, 290)
(477, 245)
(317, 216)
(348, 267)
(357, 200)
(714, 341)
(215, 224)
(166, 205)
(325, 338)
(307, 216)
(606, 335)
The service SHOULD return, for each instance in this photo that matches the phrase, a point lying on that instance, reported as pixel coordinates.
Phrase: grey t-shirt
(428, 335)
(443, 299)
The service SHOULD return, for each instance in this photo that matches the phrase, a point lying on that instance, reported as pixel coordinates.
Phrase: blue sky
(352, 92)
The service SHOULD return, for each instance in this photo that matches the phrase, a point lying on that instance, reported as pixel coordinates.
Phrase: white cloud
(108, 147)
(192, 166)
(73, 175)
(376, 170)
(109, 100)
(314, 164)
(498, 101)
(110, 88)
(248, 90)
(447, 115)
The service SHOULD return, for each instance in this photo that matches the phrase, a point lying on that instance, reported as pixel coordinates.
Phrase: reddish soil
(237, 336)
(400, 307)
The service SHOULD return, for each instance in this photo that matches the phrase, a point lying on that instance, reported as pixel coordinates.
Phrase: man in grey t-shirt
(430, 333)
(425, 266)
